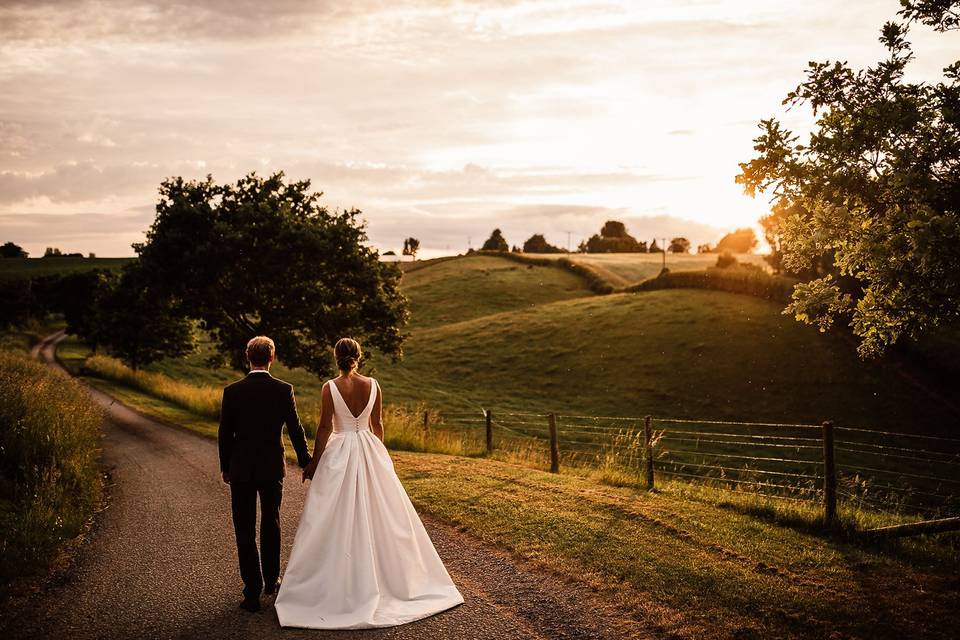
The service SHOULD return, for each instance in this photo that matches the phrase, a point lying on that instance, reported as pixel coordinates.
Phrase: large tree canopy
(263, 257)
(134, 320)
(874, 193)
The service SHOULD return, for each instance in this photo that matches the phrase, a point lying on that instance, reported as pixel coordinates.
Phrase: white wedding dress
(361, 557)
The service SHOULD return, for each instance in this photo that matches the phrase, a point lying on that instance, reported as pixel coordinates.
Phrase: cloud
(436, 117)
(77, 182)
(103, 234)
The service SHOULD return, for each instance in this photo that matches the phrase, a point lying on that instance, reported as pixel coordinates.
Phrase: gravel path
(160, 561)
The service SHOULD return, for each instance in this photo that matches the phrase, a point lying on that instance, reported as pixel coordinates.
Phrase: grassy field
(484, 285)
(13, 268)
(688, 561)
(624, 269)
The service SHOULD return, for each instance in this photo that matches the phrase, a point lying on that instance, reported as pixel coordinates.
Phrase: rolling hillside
(488, 332)
(676, 353)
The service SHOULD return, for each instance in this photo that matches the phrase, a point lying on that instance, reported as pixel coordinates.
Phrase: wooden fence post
(426, 422)
(554, 445)
(829, 476)
(648, 450)
(489, 415)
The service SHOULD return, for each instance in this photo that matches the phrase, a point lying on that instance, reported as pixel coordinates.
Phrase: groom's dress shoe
(250, 604)
(272, 587)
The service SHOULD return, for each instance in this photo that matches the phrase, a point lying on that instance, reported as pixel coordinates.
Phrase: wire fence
(866, 468)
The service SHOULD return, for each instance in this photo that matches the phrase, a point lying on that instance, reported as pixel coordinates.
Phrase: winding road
(160, 560)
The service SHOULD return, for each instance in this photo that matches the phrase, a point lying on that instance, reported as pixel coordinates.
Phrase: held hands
(308, 471)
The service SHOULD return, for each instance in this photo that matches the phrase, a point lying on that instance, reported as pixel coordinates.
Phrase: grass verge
(49, 476)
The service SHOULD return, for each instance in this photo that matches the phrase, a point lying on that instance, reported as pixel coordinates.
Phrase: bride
(361, 557)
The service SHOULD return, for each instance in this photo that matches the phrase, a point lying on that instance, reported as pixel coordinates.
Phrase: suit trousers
(263, 568)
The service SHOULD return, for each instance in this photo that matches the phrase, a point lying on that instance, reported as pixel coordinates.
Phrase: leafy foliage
(613, 238)
(874, 196)
(538, 244)
(942, 15)
(261, 256)
(496, 242)
(410, 247)
(11, 250)
(679, 245)
(740, 241)
(137, 321)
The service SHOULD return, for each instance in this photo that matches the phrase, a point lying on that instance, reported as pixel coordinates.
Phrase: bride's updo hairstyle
(348, 353)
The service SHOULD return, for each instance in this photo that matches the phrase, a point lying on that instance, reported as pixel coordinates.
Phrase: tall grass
(49, 477)
(403, 426)
(204, 401)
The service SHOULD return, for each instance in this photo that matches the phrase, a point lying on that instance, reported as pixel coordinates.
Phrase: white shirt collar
(259, 371)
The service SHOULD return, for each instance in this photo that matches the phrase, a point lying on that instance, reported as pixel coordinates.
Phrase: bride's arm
(375, 416)
(324, 429)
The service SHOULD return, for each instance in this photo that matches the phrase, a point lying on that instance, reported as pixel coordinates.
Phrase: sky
(438, 119)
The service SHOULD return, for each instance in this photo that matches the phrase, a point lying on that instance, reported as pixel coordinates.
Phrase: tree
(137, 323)
(614, 229)
(538, 244)
(80, 298)
(679, 245)
(261, 256)
(613, 238)
(52, 252)
(410, 247)
(874, 193)
(11, 250)
(942, 15)
(496, 242)
(704, 248)
(654, 247)
(740, 241)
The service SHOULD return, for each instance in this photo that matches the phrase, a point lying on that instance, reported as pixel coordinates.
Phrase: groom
(252, 415)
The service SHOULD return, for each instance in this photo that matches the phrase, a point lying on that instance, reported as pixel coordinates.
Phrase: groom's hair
(260, 350)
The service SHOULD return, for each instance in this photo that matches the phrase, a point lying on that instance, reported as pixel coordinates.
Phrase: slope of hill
(678, 353)
(492, 333)
(475, 286)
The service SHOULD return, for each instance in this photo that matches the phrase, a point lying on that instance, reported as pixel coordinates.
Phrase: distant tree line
(614, 238)
(13, 250)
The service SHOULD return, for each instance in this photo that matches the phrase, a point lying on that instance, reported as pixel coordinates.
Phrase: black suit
(252, 416)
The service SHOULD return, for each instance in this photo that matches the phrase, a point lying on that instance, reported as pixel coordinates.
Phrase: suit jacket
(252, 416)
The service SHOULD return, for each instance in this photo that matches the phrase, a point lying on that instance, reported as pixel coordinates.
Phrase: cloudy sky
(439, 119)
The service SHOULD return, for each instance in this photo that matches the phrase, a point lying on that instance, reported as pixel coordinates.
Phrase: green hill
(475, 286)
(492, 333)
(676, 353)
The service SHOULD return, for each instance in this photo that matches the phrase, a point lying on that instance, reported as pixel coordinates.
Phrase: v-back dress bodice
(361, 556)
(343, 418)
